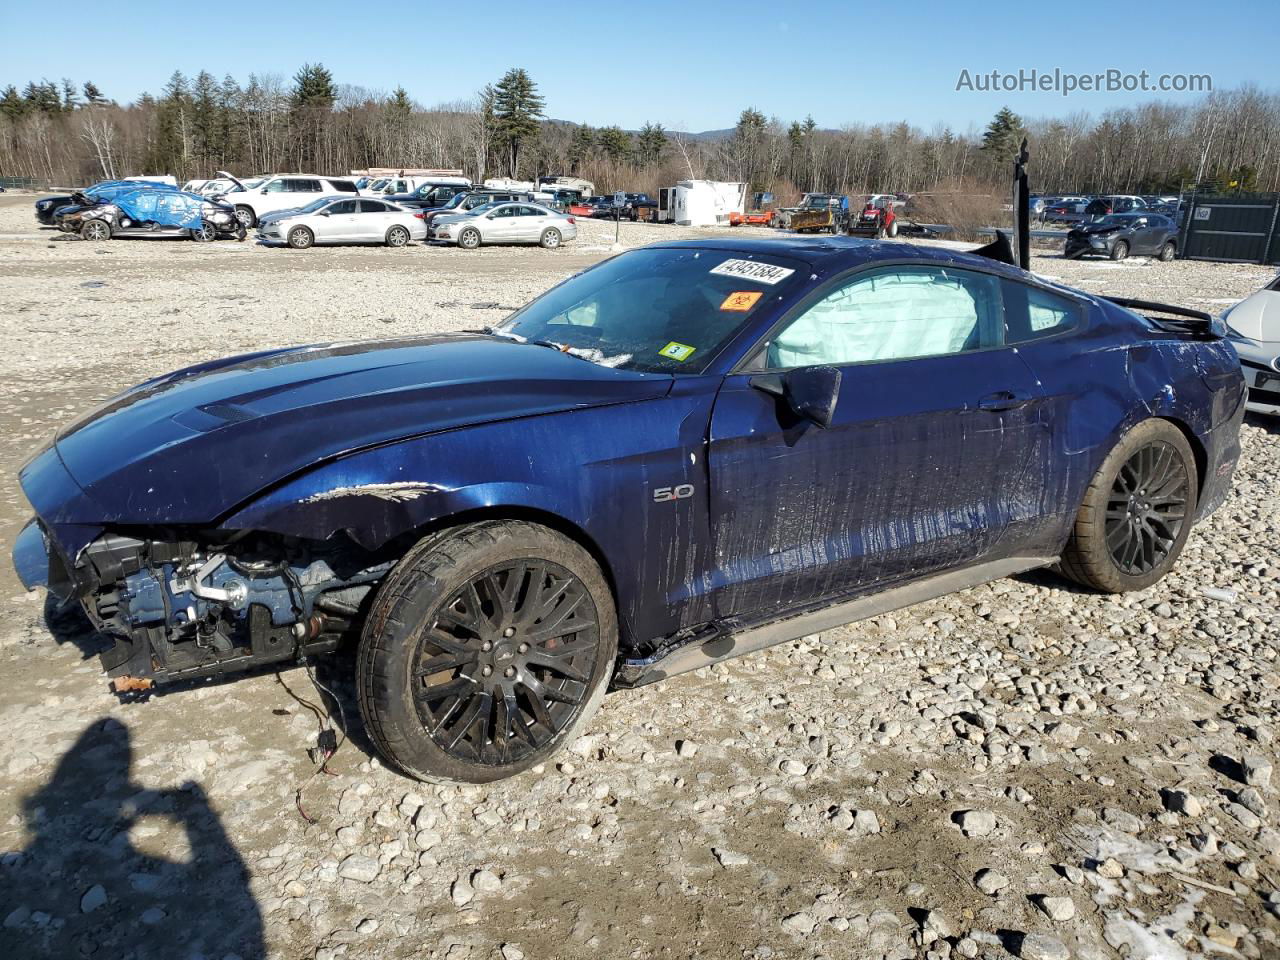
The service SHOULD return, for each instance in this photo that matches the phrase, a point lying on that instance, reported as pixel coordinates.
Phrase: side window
(505, 212)
(276, 186)
(342, 206)
(530, 212)
(896, 313)
(373, 206)
(1032, 313)
(343, 186)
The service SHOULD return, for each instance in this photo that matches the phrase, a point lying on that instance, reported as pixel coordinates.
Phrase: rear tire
(1120, 250)
(300, 238)
(1168, 251)
(1137, 512)
(516, 621)
(550, 239)
(397, 237)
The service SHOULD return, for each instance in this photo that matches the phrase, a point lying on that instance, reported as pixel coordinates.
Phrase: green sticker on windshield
(677, 351)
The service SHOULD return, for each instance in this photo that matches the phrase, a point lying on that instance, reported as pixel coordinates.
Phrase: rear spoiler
(1168, 317)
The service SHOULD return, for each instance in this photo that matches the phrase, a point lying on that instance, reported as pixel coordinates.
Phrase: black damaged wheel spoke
(507, 663)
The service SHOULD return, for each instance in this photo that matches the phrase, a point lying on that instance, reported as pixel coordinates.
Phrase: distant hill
(709, 135)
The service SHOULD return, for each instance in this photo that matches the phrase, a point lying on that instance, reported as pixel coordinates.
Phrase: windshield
(458, 200)
(315, 205)
(656, 310)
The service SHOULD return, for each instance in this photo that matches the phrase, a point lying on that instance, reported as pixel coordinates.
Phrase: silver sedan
(505, 223)
(343, 220)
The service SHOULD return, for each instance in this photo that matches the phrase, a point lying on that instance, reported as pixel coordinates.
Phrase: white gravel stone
(977, 823)
(93, 898)
(1038, 946)
(801, 924)
(359, 867)
(1058, 909)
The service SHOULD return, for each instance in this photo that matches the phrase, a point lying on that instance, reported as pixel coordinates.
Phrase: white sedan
(505, 223)
(1253, 326)
(343, 220)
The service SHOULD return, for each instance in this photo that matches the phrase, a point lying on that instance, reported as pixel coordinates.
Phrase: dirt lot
(1021, 769)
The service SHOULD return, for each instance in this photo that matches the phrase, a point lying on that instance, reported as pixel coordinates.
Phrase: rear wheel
(1120, 250)
(469, 238)
(95, 230)
(300, 238)
(1137, 512)
(486, 648)
(397, 237)
(550, 238)
(246, 216)
(1168, 251)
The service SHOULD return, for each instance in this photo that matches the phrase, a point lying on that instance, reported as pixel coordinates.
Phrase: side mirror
(324, 213)
(810, 392)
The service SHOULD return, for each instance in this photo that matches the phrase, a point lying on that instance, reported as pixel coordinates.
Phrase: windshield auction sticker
(741, 301)
(677, 351)
(753, 270)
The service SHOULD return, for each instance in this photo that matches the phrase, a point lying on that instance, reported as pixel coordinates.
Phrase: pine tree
(516, 109)
(11, 103)
(171, 148)
(650, 144)
(615, 143)
(399, 108)
(92, 95)
(1003, 135)
(70, 98)
(313, 87)
(205, 121)
(581, 144)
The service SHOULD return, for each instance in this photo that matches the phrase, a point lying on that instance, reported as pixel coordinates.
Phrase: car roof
(834, 254)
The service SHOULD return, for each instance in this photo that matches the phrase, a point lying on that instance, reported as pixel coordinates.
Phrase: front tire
(1120, 250)
(469, 238)
(1137, 512)
(486, 649)
(550, 239)
(300, 238)
(246, 216)
(95, 229)
(206, 234)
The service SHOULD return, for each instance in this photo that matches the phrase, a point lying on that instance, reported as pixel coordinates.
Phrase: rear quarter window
(1033, 313)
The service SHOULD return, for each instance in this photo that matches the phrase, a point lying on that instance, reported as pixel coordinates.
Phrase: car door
(502, 224)
(372, 221)
(934, 425)
(530, 223)
(341, 224)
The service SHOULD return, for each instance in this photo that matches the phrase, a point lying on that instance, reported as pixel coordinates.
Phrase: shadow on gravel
(82, 887)
(70, 625)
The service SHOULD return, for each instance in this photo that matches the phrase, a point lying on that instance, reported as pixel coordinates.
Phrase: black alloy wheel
(508, 662)
(1147, 508)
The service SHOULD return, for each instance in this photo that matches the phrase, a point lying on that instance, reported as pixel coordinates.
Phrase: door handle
(1003, 400)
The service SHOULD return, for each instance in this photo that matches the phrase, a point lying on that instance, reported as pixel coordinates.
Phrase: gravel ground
(1020, 769)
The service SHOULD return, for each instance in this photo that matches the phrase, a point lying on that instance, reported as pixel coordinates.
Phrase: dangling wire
(328, 741)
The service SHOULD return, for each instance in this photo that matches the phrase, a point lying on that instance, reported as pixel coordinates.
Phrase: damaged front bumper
(31, 557)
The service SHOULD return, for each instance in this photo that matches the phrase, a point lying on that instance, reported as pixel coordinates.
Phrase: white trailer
(701, 203)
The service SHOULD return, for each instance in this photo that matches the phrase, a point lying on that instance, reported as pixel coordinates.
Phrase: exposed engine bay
(185, 608)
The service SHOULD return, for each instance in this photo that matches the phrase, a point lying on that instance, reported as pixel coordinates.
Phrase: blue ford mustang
(688, 452)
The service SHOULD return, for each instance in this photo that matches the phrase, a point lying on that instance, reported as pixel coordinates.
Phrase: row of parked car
(1081, 209)
(303, 210)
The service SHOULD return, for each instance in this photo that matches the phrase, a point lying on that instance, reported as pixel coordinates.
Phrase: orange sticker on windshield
(742, 301)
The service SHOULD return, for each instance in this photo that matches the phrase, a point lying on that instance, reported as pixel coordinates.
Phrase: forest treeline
(70, 134)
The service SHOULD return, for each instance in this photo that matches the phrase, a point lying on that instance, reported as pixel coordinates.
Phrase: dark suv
(429, 196)
(469, 200)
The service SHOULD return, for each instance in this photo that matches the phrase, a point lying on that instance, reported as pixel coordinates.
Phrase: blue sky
(690, 65)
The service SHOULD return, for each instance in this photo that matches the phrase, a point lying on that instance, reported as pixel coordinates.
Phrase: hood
(1256, 317)
(188, 447)
(1096, 228)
